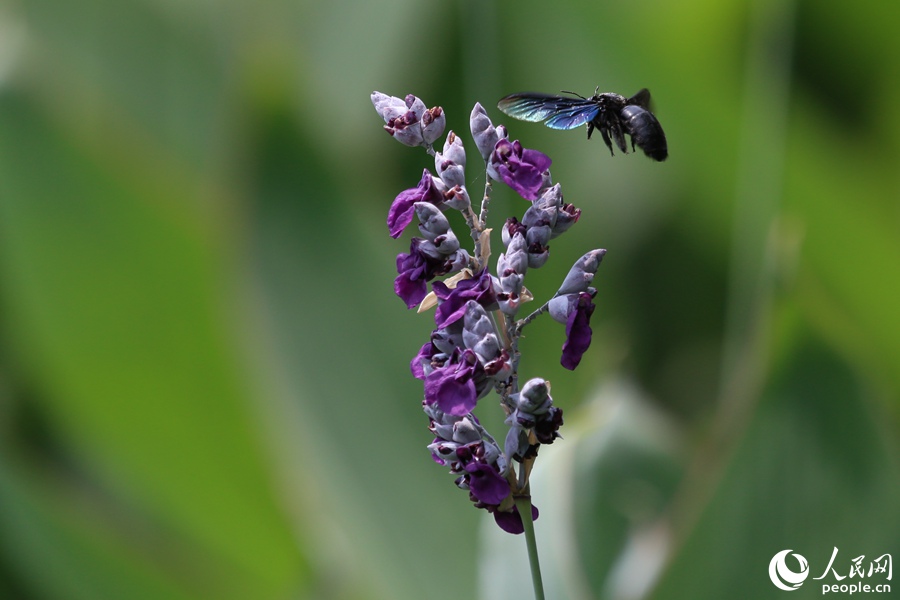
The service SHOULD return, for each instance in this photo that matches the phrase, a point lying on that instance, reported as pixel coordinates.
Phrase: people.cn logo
(782, 576)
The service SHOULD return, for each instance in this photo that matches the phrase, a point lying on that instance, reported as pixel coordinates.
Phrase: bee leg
(619, 137)
(590, 127)
(603, 132)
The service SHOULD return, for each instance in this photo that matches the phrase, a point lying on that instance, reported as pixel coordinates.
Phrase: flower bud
(450, 164)
(403, 118)
(582, 273)
(478, 332)
(483, 131)
(447, 339)
(388, 107)
(465, 432)
(511, 266)
(536, 239)
(516, 443)
(568, 215)
(433, 124)
(510, 228)
(535, 396)
(457, 198)
(432, 221)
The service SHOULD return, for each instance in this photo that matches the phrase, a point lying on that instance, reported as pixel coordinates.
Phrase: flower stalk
(523, 503)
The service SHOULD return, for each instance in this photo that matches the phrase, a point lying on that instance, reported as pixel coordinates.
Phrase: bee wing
(558, 112)
(642, 98)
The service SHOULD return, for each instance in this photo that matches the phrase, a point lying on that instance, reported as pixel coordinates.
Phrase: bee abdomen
(645, 131)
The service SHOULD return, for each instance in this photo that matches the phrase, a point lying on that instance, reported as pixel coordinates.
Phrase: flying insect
(614, 115)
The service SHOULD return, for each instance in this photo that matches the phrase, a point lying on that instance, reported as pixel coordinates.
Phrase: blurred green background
(204, 385)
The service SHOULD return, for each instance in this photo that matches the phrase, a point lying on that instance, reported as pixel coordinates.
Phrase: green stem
(523, 503)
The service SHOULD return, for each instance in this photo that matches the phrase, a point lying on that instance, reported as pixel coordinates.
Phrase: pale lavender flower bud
(492, 455)
(540, 214)
(483, 131)
(443, 451)
(454, 149)
(433, 123)
(402, 117)
(582, 273)
(465, 431)
(436, 228)
(388, 107)
(447, 339)
(568, 215)
(548, 203)
(441, 424)
(516, 443)
(457, 198)
(478, 332)
(415, 104)
(511, 267)
(431, 219)
(559, 307)
(551, 209)
(446, 243)
(535, 396)
(548, 180)
(510, 229)
(429, 249)
(534, 411)
(450, 164)
(459, 260)
(512, 264)
(536, 239)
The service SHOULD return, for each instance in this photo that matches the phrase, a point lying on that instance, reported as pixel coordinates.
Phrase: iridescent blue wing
(557, 112)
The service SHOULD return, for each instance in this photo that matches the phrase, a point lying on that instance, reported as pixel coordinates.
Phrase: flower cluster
(474, 347)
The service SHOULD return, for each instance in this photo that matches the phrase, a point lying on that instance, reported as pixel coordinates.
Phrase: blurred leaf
(843, 208)
(65, 555)
(114, 304)
(155, 77)
(814, 471)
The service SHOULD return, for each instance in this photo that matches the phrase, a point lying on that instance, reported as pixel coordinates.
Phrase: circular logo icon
(782, 576)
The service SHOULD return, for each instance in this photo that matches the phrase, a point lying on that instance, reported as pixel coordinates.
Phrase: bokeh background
(204, 385)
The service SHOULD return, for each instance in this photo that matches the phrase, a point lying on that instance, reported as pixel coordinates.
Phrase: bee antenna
(574, 93)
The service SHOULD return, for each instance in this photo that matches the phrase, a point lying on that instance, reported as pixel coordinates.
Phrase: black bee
(612, 114)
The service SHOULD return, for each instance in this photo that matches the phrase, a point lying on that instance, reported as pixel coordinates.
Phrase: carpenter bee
(612, 114)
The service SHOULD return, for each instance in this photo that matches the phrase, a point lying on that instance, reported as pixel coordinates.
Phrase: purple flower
(486, 484)
(511, 522)
(423, 263)
(453, 301)
(452, 387)
(403, 208)
(546, 429)
(521, 169)
(578, 331)
(417, 364)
